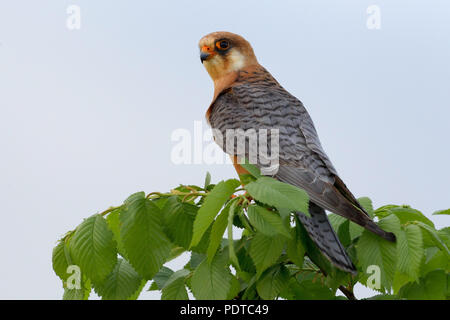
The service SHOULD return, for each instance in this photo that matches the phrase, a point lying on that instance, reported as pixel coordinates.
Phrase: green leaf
(78, 294)
(61, 260)
(245, 261)
(295, 249)
(407, 214)
(446, 211)
(144, 240)
(196, 259)
(400, 279)
(93, 248)
(175, 252)
(272, 282)
(122, 283)
(444, 234)
(178, 220)
(203, 244)
(435, 237)
(309, 286)
(235, 288)
(432, 287)
(231, 251)
(207, 180)
(435, 260)
(252, 169)
(366, 203)
(175, 288)
(114, 225)
(265, 251)
(217, 231)
(161, 277)
(354, 230)
(373, 250)
(212, 205)
(267, 222)
(336, 221)
(136, 295)
(135, 196)
(277, 194)
(410, 251)
(211, 281)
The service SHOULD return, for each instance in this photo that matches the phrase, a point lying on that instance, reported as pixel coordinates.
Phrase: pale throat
(219, 68)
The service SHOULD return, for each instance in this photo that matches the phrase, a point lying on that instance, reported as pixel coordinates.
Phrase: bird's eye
(222, 44)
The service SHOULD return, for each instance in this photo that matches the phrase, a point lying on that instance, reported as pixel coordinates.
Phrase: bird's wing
(260, 102)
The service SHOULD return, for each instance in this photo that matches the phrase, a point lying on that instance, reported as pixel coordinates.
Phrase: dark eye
(222, 44)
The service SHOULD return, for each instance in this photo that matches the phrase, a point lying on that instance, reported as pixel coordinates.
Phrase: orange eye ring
(222, 44)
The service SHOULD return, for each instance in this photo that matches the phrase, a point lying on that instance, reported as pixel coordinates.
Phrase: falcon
(247, 97)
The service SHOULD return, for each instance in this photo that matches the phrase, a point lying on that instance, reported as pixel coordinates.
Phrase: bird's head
(224, 52)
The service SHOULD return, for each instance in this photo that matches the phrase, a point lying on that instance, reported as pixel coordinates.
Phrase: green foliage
(142, 233)
(278, 194)
(121, 249)
(93, 248)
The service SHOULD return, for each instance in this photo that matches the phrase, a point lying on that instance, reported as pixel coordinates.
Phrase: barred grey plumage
(256, 100)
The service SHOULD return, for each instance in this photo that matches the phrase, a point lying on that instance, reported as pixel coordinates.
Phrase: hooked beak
(206, 53)
(204, 56)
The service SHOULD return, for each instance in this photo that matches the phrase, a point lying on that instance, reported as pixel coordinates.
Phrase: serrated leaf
(309, 286)
(122, 283)
(265, 250)
(196, 259)
(114, 225)
(407, 214)
(295, 249)
(354, 230)
(251, 168)
(93, 248)
(145, 242)
(373, 250)
(135, 196)
(432, 287)
(178, 221)
(217, 231)
(175, 288)
(444, 235)
(136, 295)
(161, 277)
(410, 251)
(175, 252)
(60, 260)
(211, 206)
(400, 279)
(435, 260)
(278, 194)
(211, 281)
(267, 222)
(78, 294)
(446, 211)
(366, 203)
(435, 237)
(272, 282)
(235, 288)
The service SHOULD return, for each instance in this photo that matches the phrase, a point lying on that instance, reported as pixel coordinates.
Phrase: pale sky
(87, 115)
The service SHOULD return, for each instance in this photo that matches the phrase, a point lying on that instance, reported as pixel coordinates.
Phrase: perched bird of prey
(246, 96)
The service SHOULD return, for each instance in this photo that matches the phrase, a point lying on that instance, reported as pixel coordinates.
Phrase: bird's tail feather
(323, 235)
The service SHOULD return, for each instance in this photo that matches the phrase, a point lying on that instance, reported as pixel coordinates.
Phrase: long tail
(323, 235)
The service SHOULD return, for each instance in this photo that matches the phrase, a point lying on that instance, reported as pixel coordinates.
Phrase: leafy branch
(122, 248)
